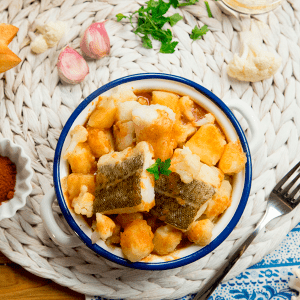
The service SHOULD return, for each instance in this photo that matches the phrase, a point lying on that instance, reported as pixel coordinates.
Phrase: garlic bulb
(95, 41)
(72, 68)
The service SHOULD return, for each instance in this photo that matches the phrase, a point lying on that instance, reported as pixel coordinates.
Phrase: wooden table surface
(18, 284)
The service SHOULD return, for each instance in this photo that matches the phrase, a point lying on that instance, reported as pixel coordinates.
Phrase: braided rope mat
(34, 105)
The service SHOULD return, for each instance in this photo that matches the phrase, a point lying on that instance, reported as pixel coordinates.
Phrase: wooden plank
(18, 284)
(4, 259)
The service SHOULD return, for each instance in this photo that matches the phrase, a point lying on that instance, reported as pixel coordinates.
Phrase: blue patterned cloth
(264, 281)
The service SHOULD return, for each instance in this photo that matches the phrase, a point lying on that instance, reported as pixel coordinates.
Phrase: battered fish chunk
(125, 219)
(76, 180)
(136, 240)
(105, 226)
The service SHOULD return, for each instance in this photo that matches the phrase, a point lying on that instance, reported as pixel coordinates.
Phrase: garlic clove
(95, 41)
(71, 66)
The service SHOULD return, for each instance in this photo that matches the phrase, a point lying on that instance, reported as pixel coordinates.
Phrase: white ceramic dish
(231, 127)
(24, 174)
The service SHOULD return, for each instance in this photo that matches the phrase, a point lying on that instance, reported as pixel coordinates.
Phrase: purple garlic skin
(71, 66)
(95, 42)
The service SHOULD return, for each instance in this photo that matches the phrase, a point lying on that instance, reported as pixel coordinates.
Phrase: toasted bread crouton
(104, 115)
(82, 160)
(100, 141)
(124, 134)
(200, 232)
(233, 159)
(124, 112)
(136, 240)
(182, 132)
(186, 106)
(167, 99)
(166, 239)
(220, 201)
(76, 180)
(83, 204)
(105, 226)
(210, 175)
(208, 142)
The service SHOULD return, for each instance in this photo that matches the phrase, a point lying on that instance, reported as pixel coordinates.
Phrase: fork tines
(285, 191)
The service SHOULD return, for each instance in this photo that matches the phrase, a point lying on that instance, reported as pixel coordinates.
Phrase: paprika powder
(8, 174)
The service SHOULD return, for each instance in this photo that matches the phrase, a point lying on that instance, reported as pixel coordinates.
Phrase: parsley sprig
(160, 167)
(151, 20)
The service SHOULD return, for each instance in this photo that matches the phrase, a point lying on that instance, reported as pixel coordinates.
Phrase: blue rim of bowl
(148, 265)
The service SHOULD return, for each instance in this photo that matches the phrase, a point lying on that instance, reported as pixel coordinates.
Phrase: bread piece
(100, 141)
(167, 99)
(233, 159)
(208, 142)
(8, 59)
(220, 201)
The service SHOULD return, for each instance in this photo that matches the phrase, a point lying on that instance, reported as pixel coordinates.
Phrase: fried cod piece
(166, 239)
(123, 93)
(154, 124)
(123, 185)
(136, 240)
(208, 142)
(100, 141)
(76, 180)
(82, 159)
(200, 232)
(220, 201)
(179, 204)
(233, 159)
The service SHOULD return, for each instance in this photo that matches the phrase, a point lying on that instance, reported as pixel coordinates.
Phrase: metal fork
(281, 201)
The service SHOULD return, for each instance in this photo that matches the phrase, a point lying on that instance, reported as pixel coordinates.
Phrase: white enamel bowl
(231, 127)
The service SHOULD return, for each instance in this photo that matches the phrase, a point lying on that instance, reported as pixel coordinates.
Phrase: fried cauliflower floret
(186, 106)
(200, 232)
(208, 142)
(154, 124)
(220, 201)
(105, 226)
(125, 219)
(100, 141)
(167, 99)
(116, 236)
(39, 44)
(182, 132)
(166, 239)
(82, 160)
(123, 93)
(124, 134)
(233, 159)
(83, 204)
(104, 115)
(76, 180)
(78, 135)
(52, 32)
(186, 164)
(136, 240)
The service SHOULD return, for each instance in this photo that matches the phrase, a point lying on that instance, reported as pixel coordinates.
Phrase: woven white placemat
(34, 105)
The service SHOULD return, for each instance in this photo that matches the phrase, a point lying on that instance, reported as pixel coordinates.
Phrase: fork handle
(209, 288)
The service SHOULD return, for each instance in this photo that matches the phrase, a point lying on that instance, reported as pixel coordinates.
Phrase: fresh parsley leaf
(174, 19)
(197, 33)
(208, 9)
(120, 17)
(168, 47)
(146, 42)
(164, 167)
(160, 167)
